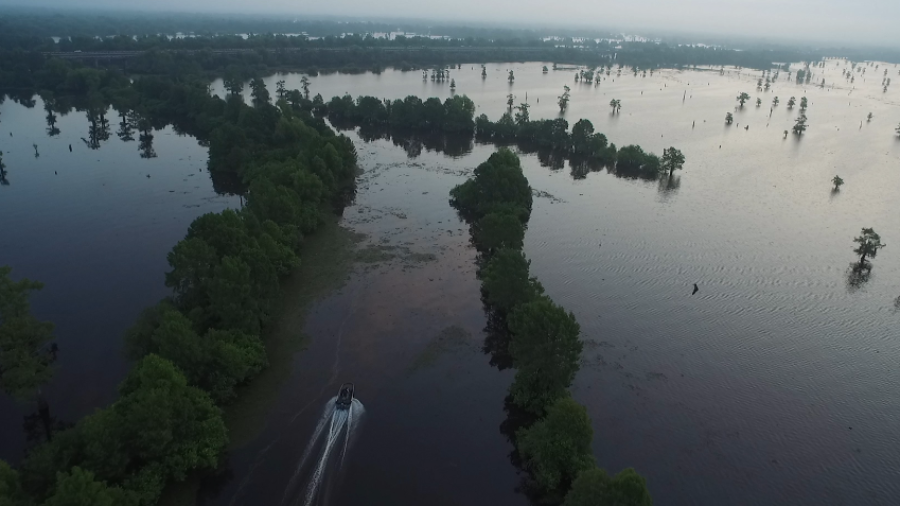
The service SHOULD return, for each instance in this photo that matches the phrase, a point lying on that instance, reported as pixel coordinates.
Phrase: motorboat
(345, 396)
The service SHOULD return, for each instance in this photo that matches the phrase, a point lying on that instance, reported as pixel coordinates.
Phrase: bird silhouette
(696, 289)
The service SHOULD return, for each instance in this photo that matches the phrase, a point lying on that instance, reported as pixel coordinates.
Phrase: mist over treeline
(32, 29)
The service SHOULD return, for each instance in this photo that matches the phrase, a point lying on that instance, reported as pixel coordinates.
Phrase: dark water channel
(777, 383)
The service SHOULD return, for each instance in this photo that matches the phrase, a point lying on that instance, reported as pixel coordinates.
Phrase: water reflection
(98, 127)
(668, 186)
(858, 274)
(51, 118)
(126, 129)
(413, 143)
(41, 425)
(497, 338)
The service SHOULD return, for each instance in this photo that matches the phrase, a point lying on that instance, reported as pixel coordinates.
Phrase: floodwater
(94, 225)
(775, 384)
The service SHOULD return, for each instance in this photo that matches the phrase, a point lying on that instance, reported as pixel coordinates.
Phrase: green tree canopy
(594, 487)
(869, 242)
(506, 281)
(558, 448)
(24, 357)
(499, 229)
(546, 350)
(80, 488)
(497, 182)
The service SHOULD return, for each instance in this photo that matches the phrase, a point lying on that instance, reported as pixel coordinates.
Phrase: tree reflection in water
(858, 274)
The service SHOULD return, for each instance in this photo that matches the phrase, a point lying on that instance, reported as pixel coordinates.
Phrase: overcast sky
(840, 21)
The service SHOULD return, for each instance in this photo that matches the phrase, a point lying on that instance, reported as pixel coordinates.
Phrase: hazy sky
(840, 21)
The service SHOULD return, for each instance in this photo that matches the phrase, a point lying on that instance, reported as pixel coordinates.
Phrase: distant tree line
(196, 348)
(542, 340)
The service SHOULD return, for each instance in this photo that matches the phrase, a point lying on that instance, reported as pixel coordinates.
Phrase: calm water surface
(775, 384)
(95, 229)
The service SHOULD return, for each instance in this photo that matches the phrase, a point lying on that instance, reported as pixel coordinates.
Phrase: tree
(869, 118)
(791, 102)
(775, 102)
(545, 69)
(304, 83)
(510, 100)
(11, 493)
(453, 84)
(869, 244)
(483, 72)
(522, 116)
(800, 124)
(898, 130)
(24, 355)
(758, 102)
(498, 182)
(594, 487)
(80, 488)
(616, 105)
(259, 93)
(546, 349)
(511, 77)
(233, 82)
(505, 279)
(729, 118)
(837, 182)
(564, 99)
(743, 97)
(803, 103)
(499, 229)
(672, 160)
(280, 89)
(557, 448)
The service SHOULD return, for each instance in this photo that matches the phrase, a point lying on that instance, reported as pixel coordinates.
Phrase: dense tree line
(453, 116)
(544, 345)
(195, 348)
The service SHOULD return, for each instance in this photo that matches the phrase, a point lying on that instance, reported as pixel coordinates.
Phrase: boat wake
(325, 453)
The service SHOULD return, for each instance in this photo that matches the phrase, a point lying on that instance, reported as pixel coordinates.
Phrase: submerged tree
(729, 118)
(837, 182)
(869, 118)
(483, 71)
(758, 102)
(775, 102)
(791, 102)
(564, 99)
(672, 160)
(304, 84)
(898, 130)
(616, 105)
(510, 100)
(280, 89)
(545, 69)
(800, 124)
(743, 97)
(869, 244)
(803, 103)
(511, 77)
(522, 116)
